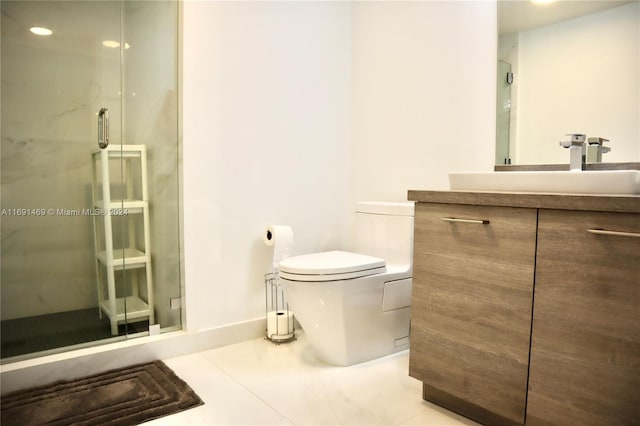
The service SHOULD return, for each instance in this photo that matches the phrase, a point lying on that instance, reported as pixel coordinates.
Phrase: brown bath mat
(127, 396)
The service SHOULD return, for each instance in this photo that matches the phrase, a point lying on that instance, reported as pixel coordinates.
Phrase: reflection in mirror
(567, 67)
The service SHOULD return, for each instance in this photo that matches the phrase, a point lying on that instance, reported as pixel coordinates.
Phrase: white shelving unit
(121, 234)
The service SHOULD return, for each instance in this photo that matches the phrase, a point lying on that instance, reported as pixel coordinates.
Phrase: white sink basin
(619, 182)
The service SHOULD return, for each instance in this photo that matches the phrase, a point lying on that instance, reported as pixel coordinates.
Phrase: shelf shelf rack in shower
(121, 234)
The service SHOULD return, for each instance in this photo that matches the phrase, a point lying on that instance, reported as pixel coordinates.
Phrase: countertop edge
(595, 202)
(561, 167)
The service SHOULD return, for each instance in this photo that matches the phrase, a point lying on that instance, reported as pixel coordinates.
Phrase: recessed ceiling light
(41, 31)
(114, 44)
(111, 43)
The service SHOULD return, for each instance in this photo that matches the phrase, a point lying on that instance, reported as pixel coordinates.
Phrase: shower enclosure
(74, 72)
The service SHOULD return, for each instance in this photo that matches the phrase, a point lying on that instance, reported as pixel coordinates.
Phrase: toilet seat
(330, 266)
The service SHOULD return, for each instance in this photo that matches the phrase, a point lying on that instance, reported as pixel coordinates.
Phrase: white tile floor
(260, 383)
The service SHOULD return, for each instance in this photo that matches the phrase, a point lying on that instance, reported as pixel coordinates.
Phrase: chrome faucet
(577, 151)
(595, 149)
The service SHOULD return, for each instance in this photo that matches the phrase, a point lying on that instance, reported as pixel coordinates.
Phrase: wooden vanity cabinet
(482, 260)
(472, 301)
(585, 351)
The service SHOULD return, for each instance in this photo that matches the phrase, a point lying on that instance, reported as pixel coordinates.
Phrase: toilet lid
(330, 266)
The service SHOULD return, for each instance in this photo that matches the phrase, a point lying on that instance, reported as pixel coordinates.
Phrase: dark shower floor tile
(40, 333)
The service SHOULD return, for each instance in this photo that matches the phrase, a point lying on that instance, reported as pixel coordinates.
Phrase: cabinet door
(471, 307)
(585, 352)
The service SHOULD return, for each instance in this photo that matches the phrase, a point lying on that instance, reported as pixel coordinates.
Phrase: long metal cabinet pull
(103, 128)
(456, 220)
(614, 233)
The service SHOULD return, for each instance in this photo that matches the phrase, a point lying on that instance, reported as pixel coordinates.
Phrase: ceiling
(520, 15)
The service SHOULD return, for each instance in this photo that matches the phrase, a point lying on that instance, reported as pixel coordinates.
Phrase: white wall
(293, 110)
(557, 64)
(266, 107)
(424, 94)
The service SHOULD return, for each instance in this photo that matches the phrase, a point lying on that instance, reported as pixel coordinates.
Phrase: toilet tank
(385, 230)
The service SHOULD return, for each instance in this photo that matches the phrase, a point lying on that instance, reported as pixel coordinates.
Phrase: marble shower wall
(151, 118)
(52, 88)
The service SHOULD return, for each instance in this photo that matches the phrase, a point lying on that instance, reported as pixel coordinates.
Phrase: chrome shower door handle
(103, 128)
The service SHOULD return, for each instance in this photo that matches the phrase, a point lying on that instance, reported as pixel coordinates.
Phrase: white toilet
(355, 307)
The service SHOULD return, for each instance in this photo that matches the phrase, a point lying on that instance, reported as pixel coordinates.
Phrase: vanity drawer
(471, 307)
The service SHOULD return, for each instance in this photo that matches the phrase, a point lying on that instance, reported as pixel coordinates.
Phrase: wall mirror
(567, 66)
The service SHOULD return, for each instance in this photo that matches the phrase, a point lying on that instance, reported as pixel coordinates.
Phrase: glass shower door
(503, 113)
(61, 74)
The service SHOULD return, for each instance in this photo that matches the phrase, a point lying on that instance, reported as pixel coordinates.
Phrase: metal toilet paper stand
(280, 320)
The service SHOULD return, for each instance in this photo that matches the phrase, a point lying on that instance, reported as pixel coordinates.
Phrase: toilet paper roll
(279, 324)
(281, 238)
